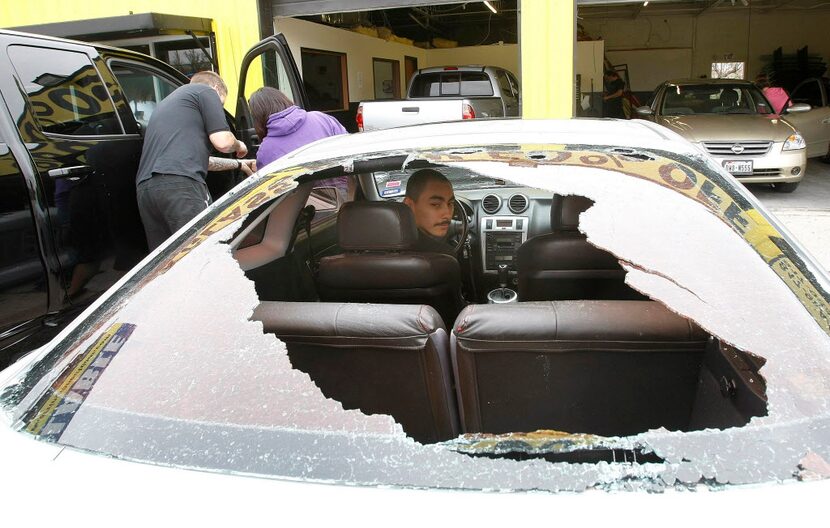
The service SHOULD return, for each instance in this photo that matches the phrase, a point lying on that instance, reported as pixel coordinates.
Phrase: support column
(547, 40)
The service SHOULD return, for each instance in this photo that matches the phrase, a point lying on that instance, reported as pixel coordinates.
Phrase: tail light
(359, 118)
(467, 112)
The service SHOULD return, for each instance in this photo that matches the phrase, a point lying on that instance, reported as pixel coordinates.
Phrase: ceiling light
(645, 3)
(489, 5)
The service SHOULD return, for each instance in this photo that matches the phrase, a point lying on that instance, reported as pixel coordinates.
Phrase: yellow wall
(548, 43)
(235, 23)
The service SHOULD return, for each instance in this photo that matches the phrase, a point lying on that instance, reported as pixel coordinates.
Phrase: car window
(504, 84)
(474, 83)
(392, 184)
(448, 84)
(143, 88)
(328, 196)
(809, 92)
(514, 82)
(65, 91)
(714, 99)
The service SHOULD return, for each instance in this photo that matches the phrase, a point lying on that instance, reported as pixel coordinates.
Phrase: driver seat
(380, 265)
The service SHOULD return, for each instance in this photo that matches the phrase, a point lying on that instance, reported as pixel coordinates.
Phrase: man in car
(430, 196)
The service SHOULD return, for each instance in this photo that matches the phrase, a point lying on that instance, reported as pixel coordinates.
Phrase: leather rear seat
(603, 367)
(379, 358)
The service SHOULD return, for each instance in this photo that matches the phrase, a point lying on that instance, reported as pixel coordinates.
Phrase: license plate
(738, 167)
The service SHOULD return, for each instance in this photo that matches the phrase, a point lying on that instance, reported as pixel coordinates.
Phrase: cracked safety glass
(237, 352)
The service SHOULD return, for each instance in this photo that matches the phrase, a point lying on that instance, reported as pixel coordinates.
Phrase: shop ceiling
(475, 23)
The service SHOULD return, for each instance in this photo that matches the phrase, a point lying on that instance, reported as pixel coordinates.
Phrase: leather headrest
(376, 226)
(565, 211)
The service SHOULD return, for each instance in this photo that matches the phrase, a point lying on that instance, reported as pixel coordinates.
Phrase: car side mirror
(799, 107)
(644, 110)
(324, 198)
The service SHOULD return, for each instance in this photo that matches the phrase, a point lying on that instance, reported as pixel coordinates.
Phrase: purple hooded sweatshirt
(291, 129)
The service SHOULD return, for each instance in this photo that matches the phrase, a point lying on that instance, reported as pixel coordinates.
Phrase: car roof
(635, 133)
(468, 67)
(707, 82)
(97, 46)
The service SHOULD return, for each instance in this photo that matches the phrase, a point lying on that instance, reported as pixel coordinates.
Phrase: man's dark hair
(419, 180)
(263, 103)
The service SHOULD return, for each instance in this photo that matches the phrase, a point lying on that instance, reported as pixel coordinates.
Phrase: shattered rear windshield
(204, 364)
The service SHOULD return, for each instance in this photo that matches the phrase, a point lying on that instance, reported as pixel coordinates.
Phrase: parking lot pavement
(805, 212)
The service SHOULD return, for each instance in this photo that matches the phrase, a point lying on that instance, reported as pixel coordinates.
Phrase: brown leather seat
(563, 265)
(388, 359)
(602, 367)
(379, 264)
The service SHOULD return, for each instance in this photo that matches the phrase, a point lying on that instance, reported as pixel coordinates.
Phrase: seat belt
(311, 263)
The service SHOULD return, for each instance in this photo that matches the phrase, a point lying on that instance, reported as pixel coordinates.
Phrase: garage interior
(650, 42)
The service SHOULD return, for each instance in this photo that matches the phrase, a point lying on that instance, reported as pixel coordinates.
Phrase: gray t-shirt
(176, 141)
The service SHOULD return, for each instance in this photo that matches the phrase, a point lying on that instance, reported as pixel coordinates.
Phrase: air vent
(491, 204)
(517, 203)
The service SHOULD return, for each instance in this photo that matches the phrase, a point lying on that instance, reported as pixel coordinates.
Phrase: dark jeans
(167, 202)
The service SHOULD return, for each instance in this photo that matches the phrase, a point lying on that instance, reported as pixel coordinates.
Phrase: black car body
(71, 124)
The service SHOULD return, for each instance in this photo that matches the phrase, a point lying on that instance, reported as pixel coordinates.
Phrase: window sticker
(50, 417)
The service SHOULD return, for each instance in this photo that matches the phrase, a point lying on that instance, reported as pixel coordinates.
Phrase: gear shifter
(502, 294)
(503, 275)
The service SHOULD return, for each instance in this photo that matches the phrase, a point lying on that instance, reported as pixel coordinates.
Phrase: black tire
(786, 187)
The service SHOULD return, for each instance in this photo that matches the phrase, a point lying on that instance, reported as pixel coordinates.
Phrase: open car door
(269, 63)
(813, 125)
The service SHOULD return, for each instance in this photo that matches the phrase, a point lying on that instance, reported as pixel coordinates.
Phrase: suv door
(24, 282)
(814, 125)
(72, 118)
(268, 63)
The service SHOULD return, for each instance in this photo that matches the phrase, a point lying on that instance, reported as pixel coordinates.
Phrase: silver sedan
(732, 121)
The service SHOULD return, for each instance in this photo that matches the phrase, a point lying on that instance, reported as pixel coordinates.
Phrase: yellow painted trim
(547, 45)
(236, 23)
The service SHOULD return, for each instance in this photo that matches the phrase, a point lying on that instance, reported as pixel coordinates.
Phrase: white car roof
(636, 134)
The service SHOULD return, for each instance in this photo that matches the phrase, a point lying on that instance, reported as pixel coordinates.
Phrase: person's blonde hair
(211, 79)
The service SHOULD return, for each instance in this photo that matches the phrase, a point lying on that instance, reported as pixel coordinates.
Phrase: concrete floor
(805, 212)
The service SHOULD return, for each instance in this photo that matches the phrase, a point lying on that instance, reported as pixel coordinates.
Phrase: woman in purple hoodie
(284, 127)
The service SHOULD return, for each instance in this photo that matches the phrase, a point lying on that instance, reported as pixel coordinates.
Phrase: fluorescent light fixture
(489, 5)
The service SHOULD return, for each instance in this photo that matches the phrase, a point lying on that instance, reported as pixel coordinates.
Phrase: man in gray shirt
(175, 159)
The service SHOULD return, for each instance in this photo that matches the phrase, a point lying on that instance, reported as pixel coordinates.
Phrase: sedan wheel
(785, 187)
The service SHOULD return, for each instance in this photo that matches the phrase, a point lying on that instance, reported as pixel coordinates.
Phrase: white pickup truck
(448, 93)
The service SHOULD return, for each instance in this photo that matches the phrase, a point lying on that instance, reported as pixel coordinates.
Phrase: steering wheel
(460, 226)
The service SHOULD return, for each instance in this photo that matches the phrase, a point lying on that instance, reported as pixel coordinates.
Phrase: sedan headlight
(794, 142)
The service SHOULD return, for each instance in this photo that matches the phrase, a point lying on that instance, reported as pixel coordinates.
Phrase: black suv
(70, 142)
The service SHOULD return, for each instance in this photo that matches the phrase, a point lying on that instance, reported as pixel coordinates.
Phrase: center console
(501, 237)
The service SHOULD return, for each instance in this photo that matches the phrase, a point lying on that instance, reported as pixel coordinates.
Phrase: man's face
(433, 209)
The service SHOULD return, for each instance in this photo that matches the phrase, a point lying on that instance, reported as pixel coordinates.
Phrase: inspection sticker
(393, 183)
(50, 417)
(390, 192)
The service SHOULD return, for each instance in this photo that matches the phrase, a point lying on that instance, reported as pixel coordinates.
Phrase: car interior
(446, 346)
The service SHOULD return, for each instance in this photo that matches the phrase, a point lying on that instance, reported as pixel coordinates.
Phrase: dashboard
(501, 220)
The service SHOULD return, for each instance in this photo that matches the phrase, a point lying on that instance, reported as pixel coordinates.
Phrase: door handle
(413, 109)
(75, 172)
